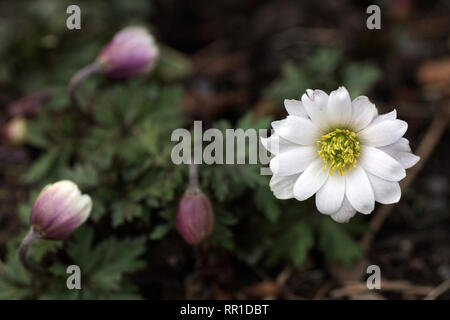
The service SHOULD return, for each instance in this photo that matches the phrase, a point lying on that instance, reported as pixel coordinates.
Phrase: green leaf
(36, 136)
(98, 209)
(41, 248)
(291, 84)
(40, 167)
(325, 61)
(267, 203)
(79, 247)
(160, 231)
(336, 244)
(224, 217)
(84, 175)
(294, 243)
(359, 77)
(301, 247)
(125, 211)
(173, 65)
(60, 100)
(24, 210)
(222, 236)
(104, 266)
(15, 281)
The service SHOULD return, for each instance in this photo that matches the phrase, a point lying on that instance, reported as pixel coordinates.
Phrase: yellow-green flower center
(339, 150)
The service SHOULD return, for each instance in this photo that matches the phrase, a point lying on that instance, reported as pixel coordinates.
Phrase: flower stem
(193, 178)
(30, 238)
(79, 76)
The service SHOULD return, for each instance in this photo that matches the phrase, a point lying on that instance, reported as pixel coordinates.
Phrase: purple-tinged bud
(131, 52)
(195, 217)
(59, 209)
(15, 130)
(29, 105)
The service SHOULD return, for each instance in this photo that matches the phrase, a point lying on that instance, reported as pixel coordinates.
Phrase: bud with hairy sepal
(195, 215)
(131, 52)
(59, 209)
(15, 130)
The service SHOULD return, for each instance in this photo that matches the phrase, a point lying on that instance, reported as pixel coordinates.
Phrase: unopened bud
(59, 209)
(16, 130)
(29, 105)
(131, 52)
(195, 217)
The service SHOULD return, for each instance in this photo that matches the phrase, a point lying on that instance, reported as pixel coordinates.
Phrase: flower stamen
(339, 151)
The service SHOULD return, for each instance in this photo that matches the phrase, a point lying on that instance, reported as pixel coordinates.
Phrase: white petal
(358, 190)
(315, 103)
(87, 208)
(380, 164)
(387, 116)
(386, 192)
(78, 209)
(329, 198)
(383, 133)
(283, 187)
(276, 144)
(66, 186)
(297, 130)
(363, 112)
(401, 152)
(339, 107)
(295, 108)
(52, 199)
(293, 161)
(345, 212)
(310, 181)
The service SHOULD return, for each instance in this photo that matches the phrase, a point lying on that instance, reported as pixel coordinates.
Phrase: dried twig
(394, 286)
(440, 289)
(323, 290)
(284, 276)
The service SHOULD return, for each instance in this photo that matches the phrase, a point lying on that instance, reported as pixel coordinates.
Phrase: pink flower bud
(131, 52)
(15, 130)
(195, 217)
(59, 209)
(29, 105)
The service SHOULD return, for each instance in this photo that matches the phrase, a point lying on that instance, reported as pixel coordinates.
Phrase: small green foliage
(265, 202)
(223, 235)
(297, 232)
(41, 167)
(358, 77)
(326, 69)
(14, 279)
(125, 211)
(104, 265)
(336, 244)
(160, 231)
(291, 85)
(294, 244)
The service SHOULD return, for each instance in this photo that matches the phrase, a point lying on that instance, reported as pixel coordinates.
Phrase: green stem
(30, 238)
(193, 179)
(79, 76)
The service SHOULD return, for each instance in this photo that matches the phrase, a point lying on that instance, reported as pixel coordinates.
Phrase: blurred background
(231, 64)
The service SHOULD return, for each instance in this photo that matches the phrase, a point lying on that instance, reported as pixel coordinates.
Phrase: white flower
(340, 150)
